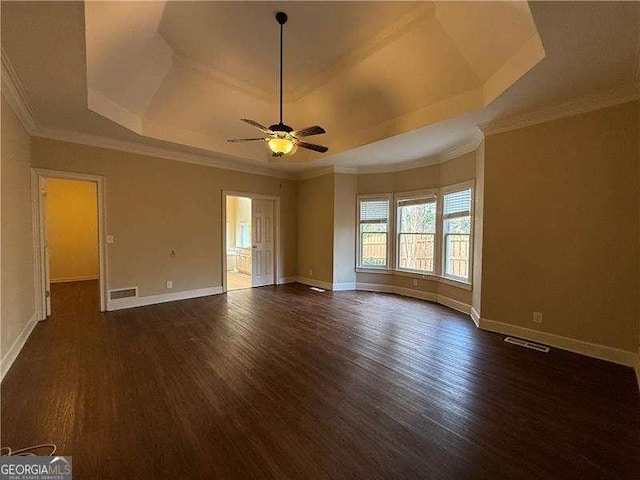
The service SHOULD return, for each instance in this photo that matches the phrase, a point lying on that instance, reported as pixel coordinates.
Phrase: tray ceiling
(186, 72)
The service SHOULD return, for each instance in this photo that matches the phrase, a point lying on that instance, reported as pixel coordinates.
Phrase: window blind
(374, 211)
(457, 203)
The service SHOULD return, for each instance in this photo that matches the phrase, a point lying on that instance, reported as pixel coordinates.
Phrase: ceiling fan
(281, 138)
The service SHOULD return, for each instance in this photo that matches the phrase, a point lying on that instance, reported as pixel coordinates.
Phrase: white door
(45, 249)
(262, 271)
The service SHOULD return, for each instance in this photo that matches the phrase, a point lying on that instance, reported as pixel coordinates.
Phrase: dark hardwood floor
(285, 383)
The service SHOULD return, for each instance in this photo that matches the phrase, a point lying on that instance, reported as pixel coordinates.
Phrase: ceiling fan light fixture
(281, 138)
(281, 146)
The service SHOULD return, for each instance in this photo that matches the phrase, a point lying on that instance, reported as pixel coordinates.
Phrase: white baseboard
(409, 292)
(315, 283)
(9, 357)
(163, 298)
(603, 352)
(74, 279)
(338, 287)
(283, 280)
(455, 304)
(475, 316)
(374, 287)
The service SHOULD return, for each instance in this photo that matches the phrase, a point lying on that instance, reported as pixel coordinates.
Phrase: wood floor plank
(286, 383)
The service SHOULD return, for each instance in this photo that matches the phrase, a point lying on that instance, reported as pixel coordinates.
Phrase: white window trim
(390, 229)
(392, 253)
(452, 189)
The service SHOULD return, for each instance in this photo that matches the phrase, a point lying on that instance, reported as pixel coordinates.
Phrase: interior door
(45, 249)
(262, 271)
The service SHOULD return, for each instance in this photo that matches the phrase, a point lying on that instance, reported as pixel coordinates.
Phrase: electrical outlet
(310, 272)
(415, 282)
(109, 238)
(169, 284)
(537, 317)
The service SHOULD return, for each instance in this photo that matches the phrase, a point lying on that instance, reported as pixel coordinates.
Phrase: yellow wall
(238, 211)
(72, 229)
(155, 206)
(561, 227)
(17, 278)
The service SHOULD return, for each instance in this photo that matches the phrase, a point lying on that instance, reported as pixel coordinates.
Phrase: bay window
(429, 232)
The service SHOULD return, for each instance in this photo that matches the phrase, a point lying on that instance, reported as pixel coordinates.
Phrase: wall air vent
(524, 343)
(123, 293)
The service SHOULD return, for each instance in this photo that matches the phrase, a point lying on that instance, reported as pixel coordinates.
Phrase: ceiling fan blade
(307, 132)
(311, 146)
(240, 140)
(257, 125)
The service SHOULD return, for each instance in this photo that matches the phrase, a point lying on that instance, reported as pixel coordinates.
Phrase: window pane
(458, 225)
(373, 227)
(416, 251)
(420, 218)
(457, 242)
(374, 221)
(374, 248)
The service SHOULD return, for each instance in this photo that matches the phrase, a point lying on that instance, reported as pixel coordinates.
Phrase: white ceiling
(392, 82)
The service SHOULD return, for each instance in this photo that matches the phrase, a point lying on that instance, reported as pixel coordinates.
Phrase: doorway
(250, 240)
(68, 220)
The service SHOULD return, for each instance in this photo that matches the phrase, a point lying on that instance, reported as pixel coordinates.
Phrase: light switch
(109, 238)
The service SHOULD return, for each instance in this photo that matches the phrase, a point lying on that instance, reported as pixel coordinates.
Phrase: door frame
(276, 233)
(37, 183)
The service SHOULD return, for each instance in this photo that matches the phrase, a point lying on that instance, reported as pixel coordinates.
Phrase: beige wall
(460, 169)
(344, 229)
(155, 205)
(18, 292)
(315, 227)
(561, 227)
(72, 229)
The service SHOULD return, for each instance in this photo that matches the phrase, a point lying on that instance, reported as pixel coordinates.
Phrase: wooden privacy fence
(458, 254)
(374, 249)
(416, 252)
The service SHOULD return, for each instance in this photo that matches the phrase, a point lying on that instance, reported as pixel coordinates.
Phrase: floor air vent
(123, 293)
(524, 343)
(316, 289)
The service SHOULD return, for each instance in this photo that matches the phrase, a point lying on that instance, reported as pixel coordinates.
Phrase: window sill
(426, 276)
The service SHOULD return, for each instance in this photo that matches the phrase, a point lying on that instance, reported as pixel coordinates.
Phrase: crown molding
(14, 93)
(158, 152)
(330, 169)
(577, 106)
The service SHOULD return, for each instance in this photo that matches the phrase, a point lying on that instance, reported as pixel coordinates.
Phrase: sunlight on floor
(237, 280)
